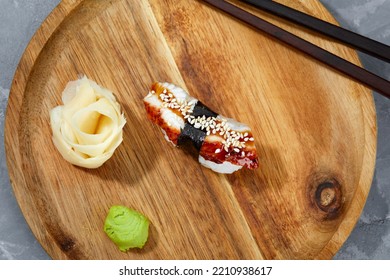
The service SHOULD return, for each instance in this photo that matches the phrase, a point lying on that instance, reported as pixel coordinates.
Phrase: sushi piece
(224, 144)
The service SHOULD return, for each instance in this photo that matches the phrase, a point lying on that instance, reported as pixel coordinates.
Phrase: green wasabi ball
(126, 227)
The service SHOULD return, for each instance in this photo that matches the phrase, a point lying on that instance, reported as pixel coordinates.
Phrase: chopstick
(357, 41)
(359, 74)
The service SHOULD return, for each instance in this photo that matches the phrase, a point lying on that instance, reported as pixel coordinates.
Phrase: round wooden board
(315, 132)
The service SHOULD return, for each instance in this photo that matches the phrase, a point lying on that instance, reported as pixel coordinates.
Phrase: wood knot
(326, 195)
(67, 244)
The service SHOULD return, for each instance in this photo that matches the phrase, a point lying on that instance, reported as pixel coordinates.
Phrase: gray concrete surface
(19, 19)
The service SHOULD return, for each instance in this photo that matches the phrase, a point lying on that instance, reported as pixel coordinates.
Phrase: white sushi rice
(223, 168)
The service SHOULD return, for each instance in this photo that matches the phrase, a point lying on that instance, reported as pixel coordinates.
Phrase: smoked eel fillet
(224, 144)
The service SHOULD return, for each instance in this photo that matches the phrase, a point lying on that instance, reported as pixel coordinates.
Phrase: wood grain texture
(315, 131)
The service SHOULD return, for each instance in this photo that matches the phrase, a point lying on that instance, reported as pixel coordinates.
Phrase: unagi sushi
(224, 144)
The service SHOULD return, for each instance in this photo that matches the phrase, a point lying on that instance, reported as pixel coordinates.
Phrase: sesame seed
(243, 154)
(251, 139)
(246, 134)
(236, 150)
(246, 139)
(217, 151)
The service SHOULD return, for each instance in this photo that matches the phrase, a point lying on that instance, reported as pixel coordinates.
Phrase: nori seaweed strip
(202, 110)
(195, 135)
